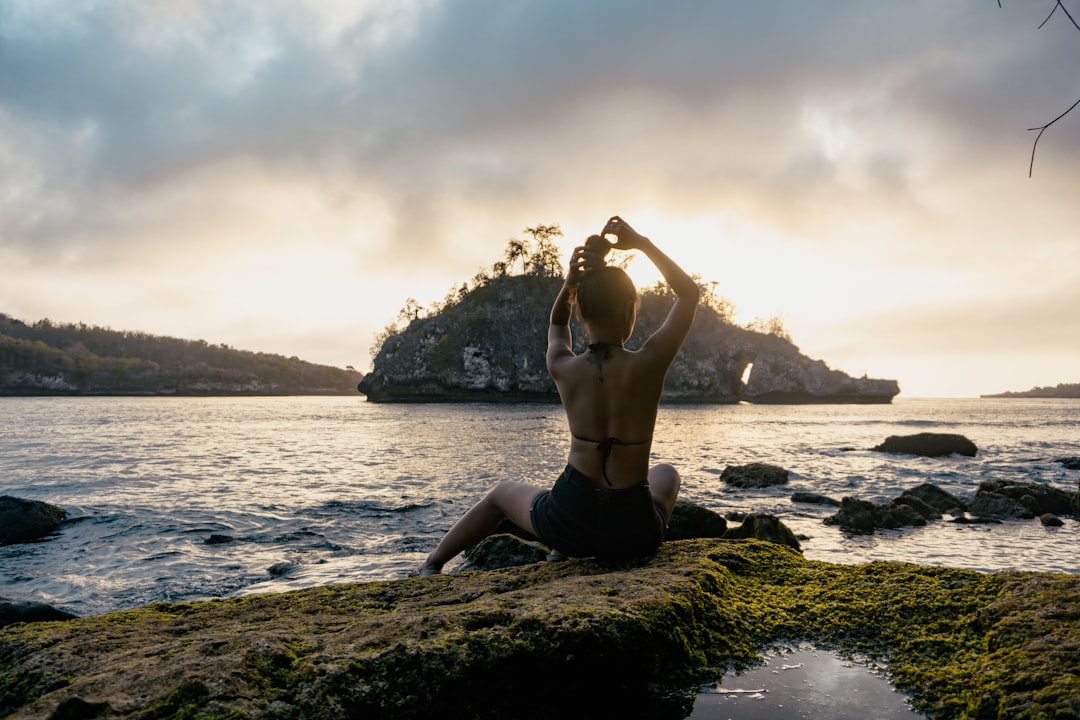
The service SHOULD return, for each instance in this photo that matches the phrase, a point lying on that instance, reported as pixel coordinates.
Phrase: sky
(283, 175)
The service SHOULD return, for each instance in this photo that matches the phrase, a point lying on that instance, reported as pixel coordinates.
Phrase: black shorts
(579, 519)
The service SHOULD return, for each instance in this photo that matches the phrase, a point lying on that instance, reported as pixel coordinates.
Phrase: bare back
(611, 397)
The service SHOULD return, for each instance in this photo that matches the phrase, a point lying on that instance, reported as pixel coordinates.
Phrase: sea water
(192, 498)
(188, 498)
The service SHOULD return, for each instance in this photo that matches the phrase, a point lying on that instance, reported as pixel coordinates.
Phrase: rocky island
(487, 343)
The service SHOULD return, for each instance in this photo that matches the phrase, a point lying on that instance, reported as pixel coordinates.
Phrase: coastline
(468, 645)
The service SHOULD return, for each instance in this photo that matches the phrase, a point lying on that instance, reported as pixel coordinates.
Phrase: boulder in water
(764, 527)
(1037, 497)
(928, 445)
(25, 520)
(941, 500)
(12, 612)
(690, 520)
(999, 507)
(864, 517)
(754, 475)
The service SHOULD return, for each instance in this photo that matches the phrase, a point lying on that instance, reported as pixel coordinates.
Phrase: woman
(608, 503)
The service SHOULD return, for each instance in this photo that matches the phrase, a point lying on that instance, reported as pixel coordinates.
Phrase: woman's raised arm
(668, 338)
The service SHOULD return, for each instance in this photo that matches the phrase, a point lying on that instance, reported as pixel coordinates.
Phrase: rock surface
(993, 501)
(864, 517)
(768, 528)
(25, 520)
(490, 345)
(1007, 499)
(12, 612)
(754, 475)
(928, 445)
(913, 507)
(577, 638)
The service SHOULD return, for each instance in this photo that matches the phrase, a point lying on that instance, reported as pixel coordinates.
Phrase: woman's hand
(584, 259)
(628, 237)
(580, 264)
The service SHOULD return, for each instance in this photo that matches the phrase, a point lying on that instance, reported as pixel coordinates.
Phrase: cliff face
(490, 347)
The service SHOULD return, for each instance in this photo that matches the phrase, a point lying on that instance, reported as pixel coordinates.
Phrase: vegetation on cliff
(1062, 390)
(486, 341)
(573, 639)
(65, 359)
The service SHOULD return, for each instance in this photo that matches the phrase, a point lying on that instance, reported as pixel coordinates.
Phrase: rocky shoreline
(576, 638)
(633, 638)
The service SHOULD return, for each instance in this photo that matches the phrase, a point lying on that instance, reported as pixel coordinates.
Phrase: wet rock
(814, 499)
(754, 475)
(1000, 507)
(280, 569)
(1036, 497)
(924, 509)
(501, 551)
(764, 527)
(864, 517)
(1050, 520)
(217, 539)
(1070, 463)
(78, 708)
(511, 546)
(473, 645)
(25, 520)
(928, 445)
(12, 612)
(941, 500)
(690, 520)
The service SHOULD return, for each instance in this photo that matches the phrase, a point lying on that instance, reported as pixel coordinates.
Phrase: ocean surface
(186, 498)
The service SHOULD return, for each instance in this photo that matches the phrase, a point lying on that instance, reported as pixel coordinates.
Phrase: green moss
(965, 644)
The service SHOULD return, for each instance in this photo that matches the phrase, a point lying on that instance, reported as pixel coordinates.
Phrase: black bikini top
(605, 447)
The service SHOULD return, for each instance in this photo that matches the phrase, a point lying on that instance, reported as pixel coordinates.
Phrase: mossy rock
(577, 638)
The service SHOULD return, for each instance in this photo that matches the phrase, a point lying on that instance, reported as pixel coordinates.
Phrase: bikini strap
(605, 447)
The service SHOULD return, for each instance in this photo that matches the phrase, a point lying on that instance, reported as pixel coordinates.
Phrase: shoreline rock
(606, 638)
(27, 520)
(928, 444)
(754, 475)
(993, 502)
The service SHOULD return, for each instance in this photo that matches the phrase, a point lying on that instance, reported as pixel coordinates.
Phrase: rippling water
(182, 498)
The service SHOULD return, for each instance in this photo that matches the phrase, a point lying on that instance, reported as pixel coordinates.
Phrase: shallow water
(804, 684)
(313, 490)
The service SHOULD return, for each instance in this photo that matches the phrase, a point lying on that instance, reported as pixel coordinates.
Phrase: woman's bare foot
(426, 568)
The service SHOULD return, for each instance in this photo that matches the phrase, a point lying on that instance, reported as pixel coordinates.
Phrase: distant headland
(486, 342)
(1062, 390)
(47, 358)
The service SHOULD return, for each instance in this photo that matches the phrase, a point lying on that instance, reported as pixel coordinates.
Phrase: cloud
(413, 138)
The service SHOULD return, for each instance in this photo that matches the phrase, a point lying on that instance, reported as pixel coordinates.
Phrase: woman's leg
(664, 483)
(508, 499)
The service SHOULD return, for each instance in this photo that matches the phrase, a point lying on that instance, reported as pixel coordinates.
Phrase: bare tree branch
(1042, 129)
(1057, 5)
